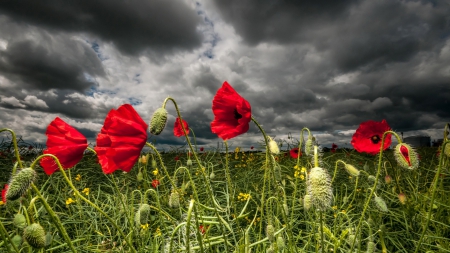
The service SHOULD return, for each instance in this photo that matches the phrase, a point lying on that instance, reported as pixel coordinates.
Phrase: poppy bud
(286, 209)
(280, 243)
(309, 146)
(402, 198)
(447, 150)
(34, 234)
(19, 220)
(273, 146)
(17, 241)
(140, 176)
(189, 162)
(20, 183)
(142, 213)
(319, 188)
(379, 202)
(307, 202)
(158, 121)
(370, 247)
(352, 170)
(388, 179)
(212, 175)
(406, 157)
(154, 165)
(270, 232)
(277, 173)
(174, 199)
(351, 238)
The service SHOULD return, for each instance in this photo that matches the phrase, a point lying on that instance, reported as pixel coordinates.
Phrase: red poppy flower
(232, 113)
(334, 146)
(64, 142)
(178, 130)
(121, 139)
(295, 152)
(155, 183)
(202, 229)
(5, 189)
(201, 149)
(176, 158)
(252, 147)
(367, 137)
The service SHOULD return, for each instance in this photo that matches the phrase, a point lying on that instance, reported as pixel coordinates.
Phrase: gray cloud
(131, 25)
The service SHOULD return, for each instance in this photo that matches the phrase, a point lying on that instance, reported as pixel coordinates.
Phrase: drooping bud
(351, 170)
(319, 188)
(189, 162)
(286, 209)
(19, 220)
(174, 199)
(158, 121)
(381, 204)
(34, 234)
(20, 183)
(273, 146)
(309, 146)
(212, 175)
(406, 157)
(402, 198)
(154, 165)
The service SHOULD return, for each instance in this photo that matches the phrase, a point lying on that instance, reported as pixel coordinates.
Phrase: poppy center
(237, 115)
(375, 139)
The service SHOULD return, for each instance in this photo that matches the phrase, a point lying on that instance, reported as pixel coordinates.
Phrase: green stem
(55, 218)
(16, 148)
(229, 184)
(5, 235)
(374, 187)
(78, 194)
(433, 195)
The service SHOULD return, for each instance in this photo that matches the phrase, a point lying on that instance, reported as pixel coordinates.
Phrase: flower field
(123, 195)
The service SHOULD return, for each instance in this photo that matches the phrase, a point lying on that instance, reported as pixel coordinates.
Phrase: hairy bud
(158, 121)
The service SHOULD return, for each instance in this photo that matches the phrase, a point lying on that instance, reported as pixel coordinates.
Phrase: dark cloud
(43, 65)
(131, 25)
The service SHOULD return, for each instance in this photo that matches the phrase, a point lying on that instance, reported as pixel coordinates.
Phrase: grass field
(219, 201)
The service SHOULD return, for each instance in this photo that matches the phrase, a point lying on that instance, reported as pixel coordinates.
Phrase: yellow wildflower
(78, 177)
(243, 196)
(69, 201)
(237, 149)
(335, 207)
(1, 203)
(155, 172)
(145, 226)
(158, 232)
(86, 191)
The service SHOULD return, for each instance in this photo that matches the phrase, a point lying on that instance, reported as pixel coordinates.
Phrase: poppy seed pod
(158, 121)
(351, 170)
(174, 199)
(34, 234)
(319, 188)
(273, 146)
(406, 156)
(381, 204)
(20, 183)
(19, 220)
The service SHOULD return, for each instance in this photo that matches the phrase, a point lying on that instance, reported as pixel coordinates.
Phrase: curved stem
(5, 235)
(16, 148)
(335, 169)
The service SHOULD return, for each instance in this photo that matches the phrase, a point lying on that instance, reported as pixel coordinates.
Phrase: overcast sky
(325, 65)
